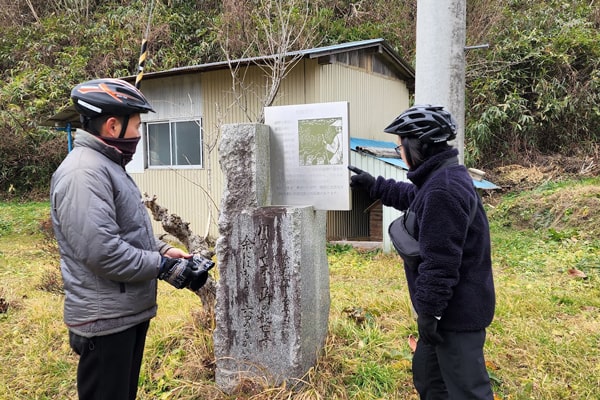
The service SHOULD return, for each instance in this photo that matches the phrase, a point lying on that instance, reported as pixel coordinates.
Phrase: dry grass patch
(544, 342)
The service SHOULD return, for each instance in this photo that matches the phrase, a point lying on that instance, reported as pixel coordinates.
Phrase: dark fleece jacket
(454, 278)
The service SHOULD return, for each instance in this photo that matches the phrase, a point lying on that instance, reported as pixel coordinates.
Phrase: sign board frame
(310, 152)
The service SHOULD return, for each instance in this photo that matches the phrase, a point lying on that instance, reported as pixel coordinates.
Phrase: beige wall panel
(182, 192)
(311, 73)
(227, 104)
(375, 100)
(292, 90)
(177, 96)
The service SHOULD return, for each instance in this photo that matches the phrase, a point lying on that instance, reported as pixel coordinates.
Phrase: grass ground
(544, 342)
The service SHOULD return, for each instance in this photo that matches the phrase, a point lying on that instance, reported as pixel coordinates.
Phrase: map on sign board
(309, 154)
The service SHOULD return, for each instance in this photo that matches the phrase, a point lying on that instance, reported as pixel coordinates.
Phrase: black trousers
(109, 366)
(453, 370)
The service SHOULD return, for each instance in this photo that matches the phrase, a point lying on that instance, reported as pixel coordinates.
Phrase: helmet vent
(429, 124)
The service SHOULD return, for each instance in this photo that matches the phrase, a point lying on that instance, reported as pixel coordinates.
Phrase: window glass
(159, 148)
(187, 149)
(174, 143)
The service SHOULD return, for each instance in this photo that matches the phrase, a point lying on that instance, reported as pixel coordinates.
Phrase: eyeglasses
(398, 149)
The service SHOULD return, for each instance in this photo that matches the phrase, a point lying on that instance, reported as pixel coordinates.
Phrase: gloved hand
(427, 325)
(177, 271)
(181, 272)
(363, 180)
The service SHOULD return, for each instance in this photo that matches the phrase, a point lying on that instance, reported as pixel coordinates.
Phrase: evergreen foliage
(535, 90)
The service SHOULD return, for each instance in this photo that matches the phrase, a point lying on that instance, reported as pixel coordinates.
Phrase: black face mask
(125, 146)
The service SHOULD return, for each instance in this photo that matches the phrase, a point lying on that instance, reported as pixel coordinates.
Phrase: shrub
(537, 88)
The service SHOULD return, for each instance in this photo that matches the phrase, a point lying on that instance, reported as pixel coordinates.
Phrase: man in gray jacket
(110, 258)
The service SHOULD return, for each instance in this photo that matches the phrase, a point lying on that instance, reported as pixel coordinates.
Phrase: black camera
(202, 263)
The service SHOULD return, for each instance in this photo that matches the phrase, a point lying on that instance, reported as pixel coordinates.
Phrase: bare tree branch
(37, 19)
(280, 27)
(180, 229)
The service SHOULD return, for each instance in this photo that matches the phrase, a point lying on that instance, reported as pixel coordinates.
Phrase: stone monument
(273, 292)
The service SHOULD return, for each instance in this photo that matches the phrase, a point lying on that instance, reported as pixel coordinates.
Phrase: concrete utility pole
(440, 59)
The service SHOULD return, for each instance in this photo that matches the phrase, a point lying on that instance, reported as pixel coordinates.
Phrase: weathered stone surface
(244, 159)
(273, 292)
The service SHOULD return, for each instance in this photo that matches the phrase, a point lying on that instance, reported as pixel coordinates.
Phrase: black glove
(427, 325)
(198, 282)
(180, 272)
(363, 180)
(204, 265)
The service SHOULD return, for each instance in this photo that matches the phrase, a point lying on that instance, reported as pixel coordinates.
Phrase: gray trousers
(453, 370)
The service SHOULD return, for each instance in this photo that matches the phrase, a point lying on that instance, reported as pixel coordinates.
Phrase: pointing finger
(355, 169)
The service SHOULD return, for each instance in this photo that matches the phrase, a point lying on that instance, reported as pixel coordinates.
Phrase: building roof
(69, 115)
(380, 45)
(384, 151)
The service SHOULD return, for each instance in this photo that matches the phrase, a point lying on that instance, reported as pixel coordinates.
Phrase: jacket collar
(86, 139)
(419, 175)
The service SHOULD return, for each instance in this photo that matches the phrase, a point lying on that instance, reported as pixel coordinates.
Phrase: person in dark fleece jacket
(451, 283)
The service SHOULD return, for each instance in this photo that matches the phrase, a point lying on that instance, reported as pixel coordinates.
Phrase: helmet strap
(85, 121)
(407, 152)
(124, 126)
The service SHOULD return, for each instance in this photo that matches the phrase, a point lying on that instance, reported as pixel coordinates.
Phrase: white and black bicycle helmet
(108, 97)
(429, 124)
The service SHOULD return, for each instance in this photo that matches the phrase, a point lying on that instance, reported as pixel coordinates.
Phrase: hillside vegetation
(544, 342)
(535, 91)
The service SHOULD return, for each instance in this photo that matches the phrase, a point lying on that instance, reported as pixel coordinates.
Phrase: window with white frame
(174, 143)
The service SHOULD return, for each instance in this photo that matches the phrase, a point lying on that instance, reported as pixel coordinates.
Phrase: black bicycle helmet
(108, 97)
(429, 124)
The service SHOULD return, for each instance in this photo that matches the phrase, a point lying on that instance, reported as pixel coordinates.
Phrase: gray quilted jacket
(109, 254)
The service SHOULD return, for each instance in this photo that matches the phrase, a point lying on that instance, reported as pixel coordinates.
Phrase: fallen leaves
(575, 273)
(412, 343)
(359, 315)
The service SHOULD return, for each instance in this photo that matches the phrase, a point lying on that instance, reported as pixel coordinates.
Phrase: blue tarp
(357, 142)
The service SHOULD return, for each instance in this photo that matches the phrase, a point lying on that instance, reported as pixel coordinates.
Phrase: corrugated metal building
(367, 74)
(193, 102)
(368, 220)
